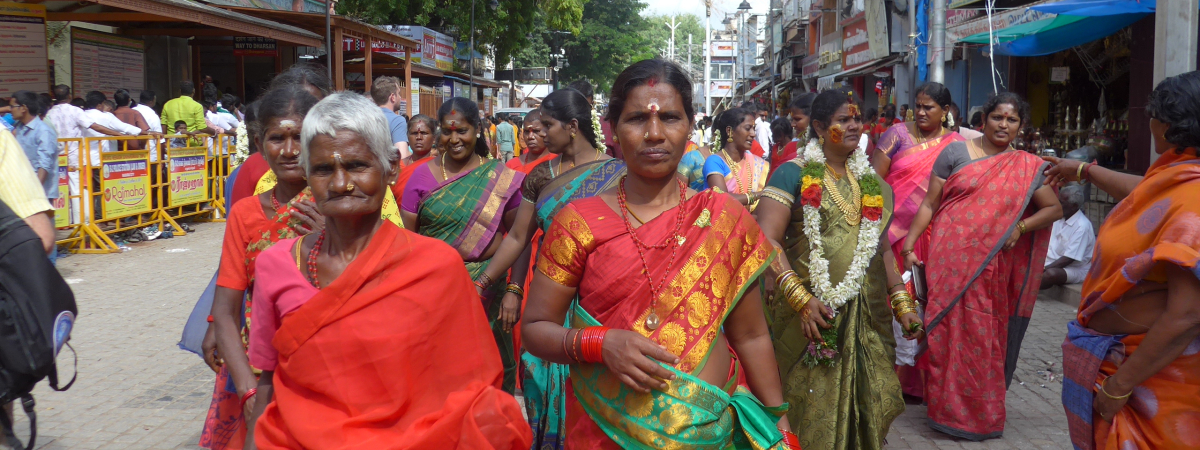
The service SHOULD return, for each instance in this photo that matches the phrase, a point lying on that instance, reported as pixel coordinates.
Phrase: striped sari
(467, 212)
(543, 383)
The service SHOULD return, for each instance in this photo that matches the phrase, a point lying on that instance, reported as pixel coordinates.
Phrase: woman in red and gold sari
(990, 219)
(255, 223)
(667, 284)
(1131, 361)
(533, 134)
(904, 158)
(368, 335)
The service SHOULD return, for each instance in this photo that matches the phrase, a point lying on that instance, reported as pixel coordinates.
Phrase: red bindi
(652, 82)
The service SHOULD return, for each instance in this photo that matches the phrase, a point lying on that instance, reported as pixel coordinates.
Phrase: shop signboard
(831, 54)
(23, 55)
(856, 44)
(254, 46)
(62, 207)
(956, 17)
(125, 183)
(415, 95)
(1000, 20)
(187, 169)
(106, 62)
(444, 51)
(877, 29)
(810, 65)
(436, 49)
(384, 47)
(720, 88)
(724, 49)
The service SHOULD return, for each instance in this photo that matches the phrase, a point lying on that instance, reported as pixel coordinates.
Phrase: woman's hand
(1107, 407)
(510, 311)
(1012, 239)
(1061, 171)
(906, 323)
(634, 359)
(911, 260)
(813, 317)
(209, 347)
(310, 219)
(248, 406)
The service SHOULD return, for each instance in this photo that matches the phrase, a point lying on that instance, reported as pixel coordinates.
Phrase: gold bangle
(1106, 394)
(906, 252)
(1079, 172)
(1021, 227)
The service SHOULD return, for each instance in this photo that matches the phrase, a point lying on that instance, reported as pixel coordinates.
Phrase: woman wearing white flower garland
(830, 317)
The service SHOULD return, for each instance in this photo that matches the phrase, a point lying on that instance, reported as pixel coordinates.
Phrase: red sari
(588, 247)
(980, 295)
(405, 173)
(515, 163)
(395, 353)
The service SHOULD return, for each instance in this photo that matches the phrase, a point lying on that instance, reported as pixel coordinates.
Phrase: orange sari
(395, 353)
(1157, 225)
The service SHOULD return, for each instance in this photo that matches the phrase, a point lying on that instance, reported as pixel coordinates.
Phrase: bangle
(784, 276)
(514, 288)
(247, 395)
(906, 252)
(210, 319)
(894, 286)
(1021, 227)
(1087, 173)
(1079, 171)
(1106, 394)
(483, 281)
(593, 344)
(566, 349)
(790, 440)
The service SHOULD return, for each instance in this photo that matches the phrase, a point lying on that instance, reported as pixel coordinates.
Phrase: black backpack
(37, 311)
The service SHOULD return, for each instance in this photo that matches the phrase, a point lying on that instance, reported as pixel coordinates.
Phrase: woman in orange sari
(991, 219)
(904, 158)
(534, 135)
(1131, 359)
(255, 223)
(667, 284)
(370, 336)
(422, 133)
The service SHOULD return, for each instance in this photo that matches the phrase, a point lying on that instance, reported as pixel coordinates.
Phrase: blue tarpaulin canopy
(1093, 8)
(1053, 35)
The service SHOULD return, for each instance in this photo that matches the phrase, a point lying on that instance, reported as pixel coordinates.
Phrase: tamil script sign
(125, 182)
(188, 166)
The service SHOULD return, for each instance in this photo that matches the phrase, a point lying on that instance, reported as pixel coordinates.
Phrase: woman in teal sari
(468, 201)
(581, 171)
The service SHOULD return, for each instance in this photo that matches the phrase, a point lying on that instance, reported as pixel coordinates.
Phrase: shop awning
(1047, 36)
(757, 89)
(1097, 7)
(827, 81)
(184, 18)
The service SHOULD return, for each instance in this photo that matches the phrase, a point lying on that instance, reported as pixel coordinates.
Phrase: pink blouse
(279, 289)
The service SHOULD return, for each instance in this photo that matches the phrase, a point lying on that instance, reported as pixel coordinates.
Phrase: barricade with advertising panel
(115, 189)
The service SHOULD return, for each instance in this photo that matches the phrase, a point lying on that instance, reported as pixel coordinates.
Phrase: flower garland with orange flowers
(869, 230)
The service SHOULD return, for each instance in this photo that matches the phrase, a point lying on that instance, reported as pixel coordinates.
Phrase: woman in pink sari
(990, 225)
(904, 158)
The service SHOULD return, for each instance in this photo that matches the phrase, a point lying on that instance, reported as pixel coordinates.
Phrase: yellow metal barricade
(112, 189)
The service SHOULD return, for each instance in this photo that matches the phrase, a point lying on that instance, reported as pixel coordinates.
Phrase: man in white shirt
(1071, 242)
(71, 122)
(762, 129)
(221, 124)
(145, 106)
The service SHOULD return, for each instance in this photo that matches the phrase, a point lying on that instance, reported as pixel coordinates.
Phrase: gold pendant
(652, 321)
(681, 239)
(705, 219)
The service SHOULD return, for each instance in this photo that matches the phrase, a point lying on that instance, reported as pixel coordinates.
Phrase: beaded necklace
(275, 201)
(672, 240)
(312, 260)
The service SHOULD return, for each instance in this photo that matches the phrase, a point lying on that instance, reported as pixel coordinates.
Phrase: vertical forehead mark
(651, 82)
(338, 157)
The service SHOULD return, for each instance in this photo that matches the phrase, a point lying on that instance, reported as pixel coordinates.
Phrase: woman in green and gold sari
(661, 285)
(580, 171)
(830, 316)
(468, 201)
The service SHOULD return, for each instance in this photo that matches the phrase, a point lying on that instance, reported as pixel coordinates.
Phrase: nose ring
(349, 187)
(647, 136)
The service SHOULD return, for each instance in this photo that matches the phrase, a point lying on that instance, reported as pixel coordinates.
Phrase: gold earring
(349, 187)
(572, 135)
(729, 140)
(821, 141)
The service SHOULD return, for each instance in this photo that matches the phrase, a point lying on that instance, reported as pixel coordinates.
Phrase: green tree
(611, 39)
(505, 28)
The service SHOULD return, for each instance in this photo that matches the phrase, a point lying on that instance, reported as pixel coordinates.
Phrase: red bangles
(592, 344)
(210, 319)
(1087, 171)
(791, 440)
(249, 393)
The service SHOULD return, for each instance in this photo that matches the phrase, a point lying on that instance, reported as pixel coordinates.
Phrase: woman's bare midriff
(1134, 313)
(716, 369)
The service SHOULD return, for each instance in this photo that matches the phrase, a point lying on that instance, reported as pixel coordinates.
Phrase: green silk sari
(852, 404)
(466, 212)
(690, 414)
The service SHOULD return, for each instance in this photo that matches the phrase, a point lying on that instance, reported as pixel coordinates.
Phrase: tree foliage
(505, 28)
(610, 40)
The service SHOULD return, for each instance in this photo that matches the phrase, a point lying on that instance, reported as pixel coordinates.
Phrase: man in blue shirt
(39, 141)
(387, 92)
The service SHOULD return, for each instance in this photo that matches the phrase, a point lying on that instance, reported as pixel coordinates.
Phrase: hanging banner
(23, 55)
(415, 95)
(188, 166)
(125, 182)
(62, 207)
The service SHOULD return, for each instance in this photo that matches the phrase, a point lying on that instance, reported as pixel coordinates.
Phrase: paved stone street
(137, 390)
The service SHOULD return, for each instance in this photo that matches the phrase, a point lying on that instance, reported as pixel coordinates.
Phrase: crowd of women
(684, 295)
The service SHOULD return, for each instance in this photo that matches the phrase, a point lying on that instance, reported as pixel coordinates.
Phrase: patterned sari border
(484, 220)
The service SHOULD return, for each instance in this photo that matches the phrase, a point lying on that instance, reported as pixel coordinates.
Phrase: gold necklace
(446, 178)
(851, 212)
(829, 169)
(921, 139)
(736, 169)
(553, 175)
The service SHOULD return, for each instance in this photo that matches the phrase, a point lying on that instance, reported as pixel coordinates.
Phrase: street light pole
(744, 10)
(707, 56)
(471, 56)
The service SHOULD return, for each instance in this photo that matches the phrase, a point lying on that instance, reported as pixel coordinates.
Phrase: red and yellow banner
(125, 182)
(187, 176)
(62, 204)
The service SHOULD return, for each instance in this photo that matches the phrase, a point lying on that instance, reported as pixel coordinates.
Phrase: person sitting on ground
(1071, 241)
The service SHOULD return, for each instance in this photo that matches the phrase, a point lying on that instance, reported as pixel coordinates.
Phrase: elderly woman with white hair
(367, 333)
(1071, 241)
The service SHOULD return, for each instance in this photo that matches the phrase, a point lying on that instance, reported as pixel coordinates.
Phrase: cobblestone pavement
(137, 390)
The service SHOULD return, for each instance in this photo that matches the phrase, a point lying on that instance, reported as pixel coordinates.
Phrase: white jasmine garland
(597, 128)
(869, 232)
(243, 147)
